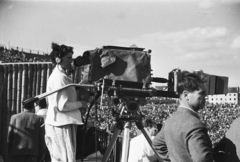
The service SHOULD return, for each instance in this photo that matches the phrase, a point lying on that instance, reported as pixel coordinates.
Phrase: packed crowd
(217, 117)
(13, 55)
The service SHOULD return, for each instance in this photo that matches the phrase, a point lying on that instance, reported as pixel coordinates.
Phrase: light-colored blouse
(63, 107)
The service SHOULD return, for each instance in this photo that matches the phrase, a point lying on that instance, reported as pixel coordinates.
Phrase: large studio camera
(115, 63)
(130, 67)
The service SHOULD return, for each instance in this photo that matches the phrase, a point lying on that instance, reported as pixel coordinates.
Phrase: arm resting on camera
(69, 106)
(67, 100)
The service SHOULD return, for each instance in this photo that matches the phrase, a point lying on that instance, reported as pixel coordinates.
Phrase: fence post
(1, 105)
(39, 70)
(43, 80)
(24, 83)
(4, 117)
(30, 81)
(19, 88)
(14, 89)
(34, 80)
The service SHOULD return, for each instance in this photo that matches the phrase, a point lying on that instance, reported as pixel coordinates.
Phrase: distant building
(231, 97)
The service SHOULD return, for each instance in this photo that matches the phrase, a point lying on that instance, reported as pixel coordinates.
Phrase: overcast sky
(190, 35)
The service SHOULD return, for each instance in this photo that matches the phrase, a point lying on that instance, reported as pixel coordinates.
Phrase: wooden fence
(19, 81)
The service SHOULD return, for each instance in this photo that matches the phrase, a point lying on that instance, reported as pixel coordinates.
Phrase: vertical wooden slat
(9, 92)
(1, 105)
(34, 79)
(14, 89)
(19, 88)
(30, 81)
(9, 98)
(4, 117)
(43, 78)
(24, 83)
(39, 70)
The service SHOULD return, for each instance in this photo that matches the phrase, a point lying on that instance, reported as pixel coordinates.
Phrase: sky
(186, 34)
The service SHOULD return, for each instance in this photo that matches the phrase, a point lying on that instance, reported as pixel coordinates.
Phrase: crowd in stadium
(217, 117)
(15, 55)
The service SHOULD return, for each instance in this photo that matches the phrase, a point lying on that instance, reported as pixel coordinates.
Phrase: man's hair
(42, 103)
(28, 106)
(148, 123)
(190, 81)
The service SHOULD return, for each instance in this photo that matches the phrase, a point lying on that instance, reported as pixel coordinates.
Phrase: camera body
(115, 63)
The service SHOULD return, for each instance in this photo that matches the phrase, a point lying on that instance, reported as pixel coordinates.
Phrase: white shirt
(42, 112)
(140, 150)
(63, 107)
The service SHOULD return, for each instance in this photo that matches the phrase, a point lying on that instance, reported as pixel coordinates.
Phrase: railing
(28, 50)
(19, 81)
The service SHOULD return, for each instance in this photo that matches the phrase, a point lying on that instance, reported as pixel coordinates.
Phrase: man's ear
(185, 94)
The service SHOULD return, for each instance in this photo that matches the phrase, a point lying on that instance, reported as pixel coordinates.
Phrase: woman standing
(63, 113)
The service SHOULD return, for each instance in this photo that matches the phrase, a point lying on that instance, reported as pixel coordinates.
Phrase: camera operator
(184, 137)
(63, 113)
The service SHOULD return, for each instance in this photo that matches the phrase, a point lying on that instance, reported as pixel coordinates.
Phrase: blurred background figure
(26, 136)
(41, 108)
(139, 148)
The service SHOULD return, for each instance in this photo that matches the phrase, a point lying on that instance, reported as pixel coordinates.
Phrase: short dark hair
(28, 106)
(59, 51)
(148, 123)
(42, 103)
(190, 81)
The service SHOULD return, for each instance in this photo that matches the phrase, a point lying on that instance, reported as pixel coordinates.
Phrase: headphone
(58, 60)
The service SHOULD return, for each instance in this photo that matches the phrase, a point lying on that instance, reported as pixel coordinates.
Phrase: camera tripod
(124, 124)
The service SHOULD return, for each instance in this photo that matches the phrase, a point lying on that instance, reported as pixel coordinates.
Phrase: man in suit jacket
(184, 137)
(26, 136)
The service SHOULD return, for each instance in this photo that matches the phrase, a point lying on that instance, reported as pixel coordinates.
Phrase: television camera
(124, 74)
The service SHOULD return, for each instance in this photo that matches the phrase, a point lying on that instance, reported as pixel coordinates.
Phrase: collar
(61, 69)
(185, 107)
(26, 110)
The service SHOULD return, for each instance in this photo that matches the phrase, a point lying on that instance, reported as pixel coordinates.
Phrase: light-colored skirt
(61, 142)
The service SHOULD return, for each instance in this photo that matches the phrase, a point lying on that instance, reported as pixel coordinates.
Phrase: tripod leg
(96, 96)
(126, 140)
(117, 131)
(140, 127)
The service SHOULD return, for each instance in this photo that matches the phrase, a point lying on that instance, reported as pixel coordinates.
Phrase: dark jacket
(25, 135)
(183, 138)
